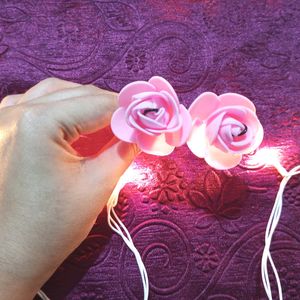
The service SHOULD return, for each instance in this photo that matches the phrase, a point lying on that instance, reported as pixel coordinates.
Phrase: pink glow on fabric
(151, 116)
(224, 128)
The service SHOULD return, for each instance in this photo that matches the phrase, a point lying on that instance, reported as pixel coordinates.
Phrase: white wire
(42, 295)
(271, 226)
(118, 227)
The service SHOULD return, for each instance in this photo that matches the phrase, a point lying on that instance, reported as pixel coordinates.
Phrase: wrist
(19, 277)
(12, 287)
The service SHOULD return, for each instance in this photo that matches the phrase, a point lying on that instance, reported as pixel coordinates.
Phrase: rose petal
(242, 144)
(163, 85)
(251, 120)
(221, 160)
(162, 101)
(140, 127)
(258, 139)
(226, 133)
(137, 106)
(120, 127)
(236, 146)
(204, 105)
(158, 99)
(175, 121)
(231, 121)
(155, 145)
(236, 130)
(235, 112)
(173, 109)
(162, 116)
(213, 126)
(172, 129)
(128, 91)
(180, 136)
(145, 100)
(221, 145)
(197, 141)
(150, 123)
(232, 99)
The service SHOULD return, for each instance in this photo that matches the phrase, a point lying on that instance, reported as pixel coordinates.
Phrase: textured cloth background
(200, 231)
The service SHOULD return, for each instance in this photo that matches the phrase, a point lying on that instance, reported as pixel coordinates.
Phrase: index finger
(47, 86)
(82, 115)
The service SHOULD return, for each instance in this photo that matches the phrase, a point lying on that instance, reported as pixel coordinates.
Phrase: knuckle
(31, 116)
(11, 100)
(28, 115)
(48, 83)
(4, 100)
(108, 102)
(93, 89)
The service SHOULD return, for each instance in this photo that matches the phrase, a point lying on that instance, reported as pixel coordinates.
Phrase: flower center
(149, 110)
(242, 132)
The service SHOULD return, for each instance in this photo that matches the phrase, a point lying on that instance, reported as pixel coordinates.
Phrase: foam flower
(151, 116)
(224, 128)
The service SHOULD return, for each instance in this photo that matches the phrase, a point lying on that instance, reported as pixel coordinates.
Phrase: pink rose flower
(151, 116)
(224, 128)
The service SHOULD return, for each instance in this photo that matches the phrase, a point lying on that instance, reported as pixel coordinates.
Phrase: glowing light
(114, 222)
(136, 174)
(267, 156)
(271, 157)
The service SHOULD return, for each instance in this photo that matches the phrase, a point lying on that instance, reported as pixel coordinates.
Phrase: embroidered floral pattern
(136, 60)
(220, 202)
(68, 32)
(122, 207)
(289, 280)
(206, 257)
(168, 189)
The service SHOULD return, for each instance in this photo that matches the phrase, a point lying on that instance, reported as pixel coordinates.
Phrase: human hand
(50, 196)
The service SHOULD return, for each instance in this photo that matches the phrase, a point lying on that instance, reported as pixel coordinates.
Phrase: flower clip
(224, 128)
(151, 116)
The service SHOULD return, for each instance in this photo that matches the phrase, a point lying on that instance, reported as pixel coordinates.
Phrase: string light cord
(42, 295)
(270, 229)
(118, 227)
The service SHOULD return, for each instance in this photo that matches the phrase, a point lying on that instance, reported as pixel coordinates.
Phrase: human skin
(50, 196)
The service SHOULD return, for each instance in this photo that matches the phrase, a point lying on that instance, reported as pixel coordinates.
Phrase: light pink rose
(151, 116)
(224, 128)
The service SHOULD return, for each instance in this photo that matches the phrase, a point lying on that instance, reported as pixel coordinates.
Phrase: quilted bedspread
(200, 231)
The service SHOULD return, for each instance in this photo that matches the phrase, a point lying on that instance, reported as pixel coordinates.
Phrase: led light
(267, 156)
(136, 174)
(271, 157)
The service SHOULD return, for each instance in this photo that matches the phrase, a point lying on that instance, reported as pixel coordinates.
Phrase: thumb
(104, 171)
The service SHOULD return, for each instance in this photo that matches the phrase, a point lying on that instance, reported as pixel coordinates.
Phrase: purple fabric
(200, 231)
